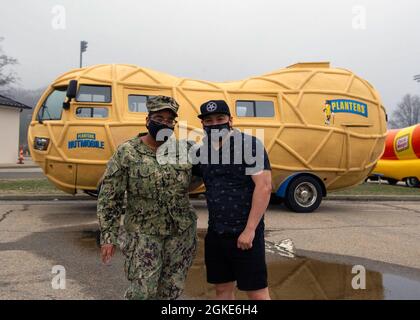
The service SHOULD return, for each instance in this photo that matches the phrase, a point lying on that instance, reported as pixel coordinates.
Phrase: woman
(159, 221)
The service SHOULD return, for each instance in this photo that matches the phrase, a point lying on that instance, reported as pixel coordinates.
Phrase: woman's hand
(107, 251)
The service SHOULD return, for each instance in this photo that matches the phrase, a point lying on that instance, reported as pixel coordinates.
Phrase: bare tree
(407, 113)
(6, 76)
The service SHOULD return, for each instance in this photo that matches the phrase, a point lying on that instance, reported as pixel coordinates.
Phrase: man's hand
(107, 251)
(245, 239)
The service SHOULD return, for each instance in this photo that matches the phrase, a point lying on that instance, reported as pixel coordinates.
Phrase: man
(238, 193)
(159, 221)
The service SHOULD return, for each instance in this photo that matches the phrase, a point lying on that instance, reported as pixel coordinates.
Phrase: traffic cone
(20, 159)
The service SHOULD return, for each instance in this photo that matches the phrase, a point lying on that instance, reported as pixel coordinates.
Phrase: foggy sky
(217, 40)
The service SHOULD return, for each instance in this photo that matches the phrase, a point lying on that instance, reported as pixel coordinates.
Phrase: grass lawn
(43, 186)
(28, 186)
(378, 189)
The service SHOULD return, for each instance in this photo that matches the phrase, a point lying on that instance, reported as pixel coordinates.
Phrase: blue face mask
(154, 127)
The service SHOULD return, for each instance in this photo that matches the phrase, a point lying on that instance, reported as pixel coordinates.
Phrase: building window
(137, 103)
(247, 108)
(89, 93)
(92, 112)
(52, 107)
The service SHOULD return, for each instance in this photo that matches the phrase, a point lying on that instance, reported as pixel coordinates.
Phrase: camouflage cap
(158, 103)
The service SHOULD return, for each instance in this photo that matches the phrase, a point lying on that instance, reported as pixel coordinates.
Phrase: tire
(392, 182)
(412, 182)
(304, 194)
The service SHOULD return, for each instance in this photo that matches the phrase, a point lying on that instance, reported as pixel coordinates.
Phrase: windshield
(52, 106)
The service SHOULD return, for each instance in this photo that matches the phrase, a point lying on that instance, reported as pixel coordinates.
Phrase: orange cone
(20, 159)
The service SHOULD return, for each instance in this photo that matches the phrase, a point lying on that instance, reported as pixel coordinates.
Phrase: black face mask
(223, 128)
(154, 127)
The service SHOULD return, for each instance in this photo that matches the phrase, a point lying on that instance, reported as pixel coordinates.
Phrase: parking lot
(382, 236)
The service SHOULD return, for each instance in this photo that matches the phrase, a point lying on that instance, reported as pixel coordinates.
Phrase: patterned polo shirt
(228, 181)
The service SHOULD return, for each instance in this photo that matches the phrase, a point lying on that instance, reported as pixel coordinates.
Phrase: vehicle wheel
(304, 194)
(392, 182)
(412, 182)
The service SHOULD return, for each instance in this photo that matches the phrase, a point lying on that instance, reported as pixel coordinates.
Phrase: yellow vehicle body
(401, 159)
(399, 170)
(327, 122)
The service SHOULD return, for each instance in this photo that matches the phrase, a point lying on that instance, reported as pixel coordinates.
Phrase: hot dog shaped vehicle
(324, 128)
(401, 158)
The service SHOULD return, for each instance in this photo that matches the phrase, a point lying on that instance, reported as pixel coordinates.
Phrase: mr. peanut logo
(328, 113)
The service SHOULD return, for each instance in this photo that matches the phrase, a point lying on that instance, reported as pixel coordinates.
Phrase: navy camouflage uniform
(159, 220)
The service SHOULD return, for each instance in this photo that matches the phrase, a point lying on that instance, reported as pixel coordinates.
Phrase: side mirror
(72, 89)
(71, 93)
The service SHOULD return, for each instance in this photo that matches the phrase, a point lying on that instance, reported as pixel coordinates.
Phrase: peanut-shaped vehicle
(324, 128)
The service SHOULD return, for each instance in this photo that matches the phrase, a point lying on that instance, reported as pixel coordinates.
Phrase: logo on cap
(211, 106)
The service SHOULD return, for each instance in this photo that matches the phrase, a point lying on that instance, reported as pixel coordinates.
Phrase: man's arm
(110, 204)
(260, 201)
(195, 183)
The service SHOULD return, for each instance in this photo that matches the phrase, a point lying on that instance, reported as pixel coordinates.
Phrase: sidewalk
(27, 163)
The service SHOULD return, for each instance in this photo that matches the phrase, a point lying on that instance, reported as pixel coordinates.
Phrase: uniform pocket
(143, 180)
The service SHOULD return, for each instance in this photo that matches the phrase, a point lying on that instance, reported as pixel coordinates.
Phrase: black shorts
(225, 262)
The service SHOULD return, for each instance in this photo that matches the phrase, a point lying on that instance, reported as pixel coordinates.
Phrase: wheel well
(283, 187)
(405, 178)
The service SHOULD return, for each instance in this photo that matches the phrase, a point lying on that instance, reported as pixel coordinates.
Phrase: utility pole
(83, 47)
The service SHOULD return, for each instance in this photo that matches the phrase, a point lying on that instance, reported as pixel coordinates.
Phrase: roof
(5, 101)
(293, 78)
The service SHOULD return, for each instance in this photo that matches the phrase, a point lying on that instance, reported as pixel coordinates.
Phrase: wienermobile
(324, 128)
(401, 158)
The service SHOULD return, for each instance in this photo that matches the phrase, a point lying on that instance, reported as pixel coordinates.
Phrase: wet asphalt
(383, 237)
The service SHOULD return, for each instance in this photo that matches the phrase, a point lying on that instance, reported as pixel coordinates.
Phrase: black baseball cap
(212, 107)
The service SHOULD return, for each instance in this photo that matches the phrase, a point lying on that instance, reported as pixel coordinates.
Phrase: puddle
(90, 239)
(298, 278)
(308, 279)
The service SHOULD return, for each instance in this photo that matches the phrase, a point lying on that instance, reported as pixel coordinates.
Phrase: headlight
(41, 143)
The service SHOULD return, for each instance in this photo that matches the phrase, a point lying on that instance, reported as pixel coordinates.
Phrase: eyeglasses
(169, 122)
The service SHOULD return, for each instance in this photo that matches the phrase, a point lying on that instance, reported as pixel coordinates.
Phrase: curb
(372, 198)
(65, 197)
(44, 197)
(22, 166)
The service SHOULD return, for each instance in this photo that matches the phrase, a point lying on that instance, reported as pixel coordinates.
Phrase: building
(9, 129)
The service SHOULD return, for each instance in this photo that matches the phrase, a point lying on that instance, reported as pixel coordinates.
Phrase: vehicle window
(137, 103)
(52, 107)
(264, 109)
(92, 112)
(246, 108)
(89, 93)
